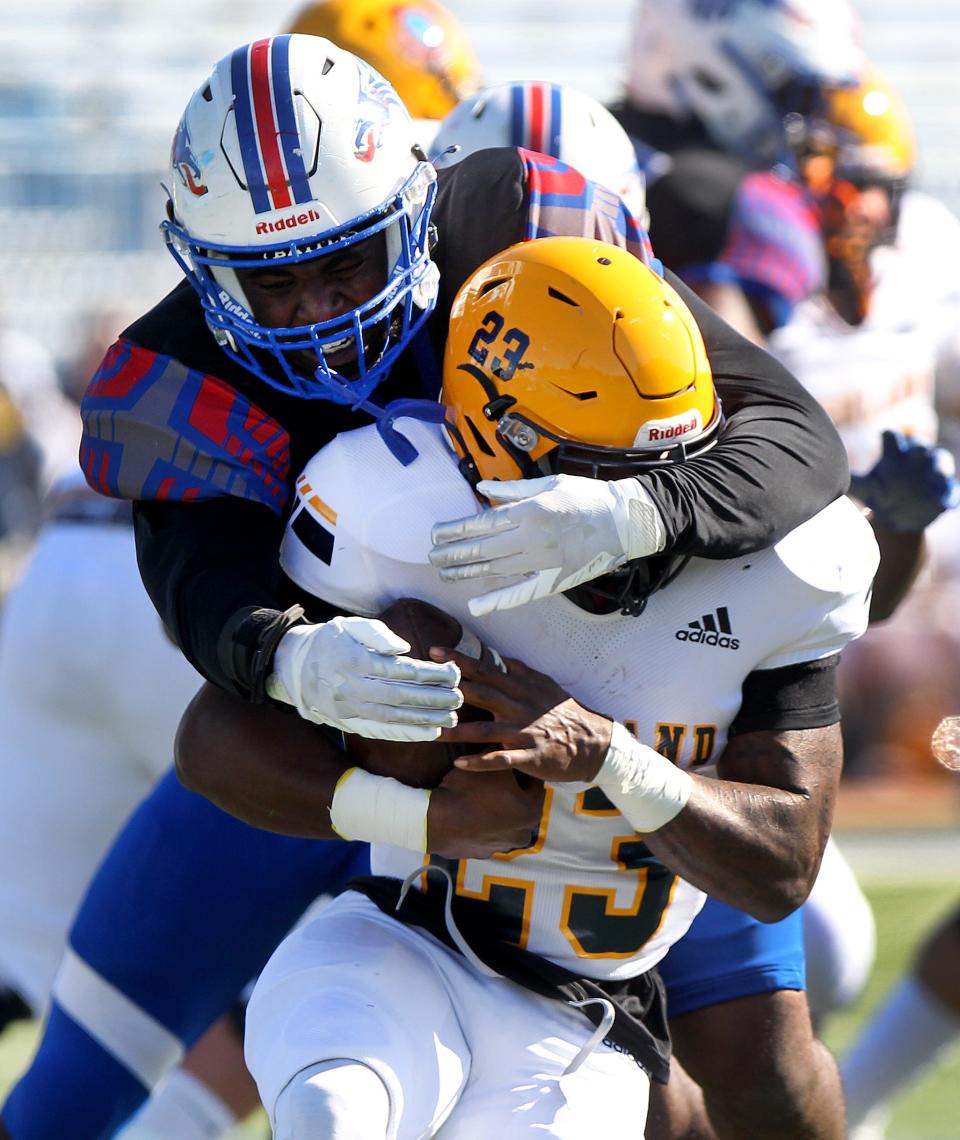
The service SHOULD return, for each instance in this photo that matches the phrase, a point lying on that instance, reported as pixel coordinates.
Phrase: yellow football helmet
(416, 45)
(874, 134)
(569, 355)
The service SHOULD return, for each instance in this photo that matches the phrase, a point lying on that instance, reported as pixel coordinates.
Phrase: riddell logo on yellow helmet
(671, 430)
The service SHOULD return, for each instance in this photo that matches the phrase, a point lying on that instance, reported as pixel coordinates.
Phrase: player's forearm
(752, 838)
(902, 557)
(750, 846)
(269, 768)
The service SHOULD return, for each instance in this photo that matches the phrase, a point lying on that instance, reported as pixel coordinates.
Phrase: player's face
(288, 296)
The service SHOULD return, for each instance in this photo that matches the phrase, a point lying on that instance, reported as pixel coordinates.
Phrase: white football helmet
(291, 150)
(743, 68)
(551, 119)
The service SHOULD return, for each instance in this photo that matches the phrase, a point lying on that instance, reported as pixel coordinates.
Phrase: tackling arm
(279, 772)
(269, 768)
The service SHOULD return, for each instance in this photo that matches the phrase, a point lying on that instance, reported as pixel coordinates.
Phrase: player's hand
(910, 485)
(537, 727)
(351, 673)
(549, 535)
(475, 816)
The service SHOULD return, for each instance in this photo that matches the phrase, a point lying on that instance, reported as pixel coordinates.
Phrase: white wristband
(646, 788)
(639, 524)
(379, 809)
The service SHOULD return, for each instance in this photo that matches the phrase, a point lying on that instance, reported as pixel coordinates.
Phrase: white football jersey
(879, 375)
(587, 893)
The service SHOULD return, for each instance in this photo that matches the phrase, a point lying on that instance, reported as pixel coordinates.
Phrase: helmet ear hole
(478, 439)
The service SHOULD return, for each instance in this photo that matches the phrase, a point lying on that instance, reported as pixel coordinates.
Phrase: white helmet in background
(552, 119)
(743, 68)
(294, 149)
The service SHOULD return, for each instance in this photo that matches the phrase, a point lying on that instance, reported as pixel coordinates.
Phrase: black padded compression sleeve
(796, 696)
(212, 571)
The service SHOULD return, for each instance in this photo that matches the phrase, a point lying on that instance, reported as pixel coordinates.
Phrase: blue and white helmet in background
(748, 70)
(294, 149)
(552, 119)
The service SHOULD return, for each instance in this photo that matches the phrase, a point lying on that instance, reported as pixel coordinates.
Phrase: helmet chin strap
(629, 588)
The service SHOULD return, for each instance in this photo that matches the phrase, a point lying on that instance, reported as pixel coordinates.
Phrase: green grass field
(929, 1111)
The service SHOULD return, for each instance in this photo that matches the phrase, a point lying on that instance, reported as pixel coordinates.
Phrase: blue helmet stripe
(246, 131)
(517, 115)
(556, 120)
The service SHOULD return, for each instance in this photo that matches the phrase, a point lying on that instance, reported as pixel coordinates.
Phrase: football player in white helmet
(364, 224)
(551, 118)
(747, 72)
(717, 101)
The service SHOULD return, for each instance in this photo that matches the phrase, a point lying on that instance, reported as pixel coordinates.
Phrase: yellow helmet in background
(873, 131)
(570, 355)
(417, 45)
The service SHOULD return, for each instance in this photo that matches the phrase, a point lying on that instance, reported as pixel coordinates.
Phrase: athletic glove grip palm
(548, 536)
(350, 673)
(909, 486)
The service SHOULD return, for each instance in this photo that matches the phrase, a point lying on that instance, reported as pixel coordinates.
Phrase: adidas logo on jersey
(711, 629)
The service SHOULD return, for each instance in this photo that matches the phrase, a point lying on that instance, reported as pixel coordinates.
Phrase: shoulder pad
(359, 512)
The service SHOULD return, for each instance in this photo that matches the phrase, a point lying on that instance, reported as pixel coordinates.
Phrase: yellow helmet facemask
(416, 45)
(570, 355)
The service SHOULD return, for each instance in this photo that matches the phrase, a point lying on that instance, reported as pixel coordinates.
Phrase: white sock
(182, 1107)
(903, 1037)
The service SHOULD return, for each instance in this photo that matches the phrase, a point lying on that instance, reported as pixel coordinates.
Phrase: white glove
(349, 673)
(554, 534)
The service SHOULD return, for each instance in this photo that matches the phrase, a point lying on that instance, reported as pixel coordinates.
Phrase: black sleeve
(795, 696)
(212, 571)
(778, 462)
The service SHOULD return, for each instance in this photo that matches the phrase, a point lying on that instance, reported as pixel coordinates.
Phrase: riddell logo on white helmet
(656, 433)
(288, 223)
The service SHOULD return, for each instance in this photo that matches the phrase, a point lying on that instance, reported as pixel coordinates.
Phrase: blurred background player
(876, 347)
(549, 118)
(39, 432)
(889, 313)
(716, 101)
(417, 45)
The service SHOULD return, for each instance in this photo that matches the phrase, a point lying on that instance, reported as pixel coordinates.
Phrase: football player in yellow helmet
(417, 45)
(582, 384)
(873, 130)
(861, 157)
(580, 366)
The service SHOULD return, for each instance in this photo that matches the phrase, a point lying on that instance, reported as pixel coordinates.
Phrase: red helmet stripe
(268, 132)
